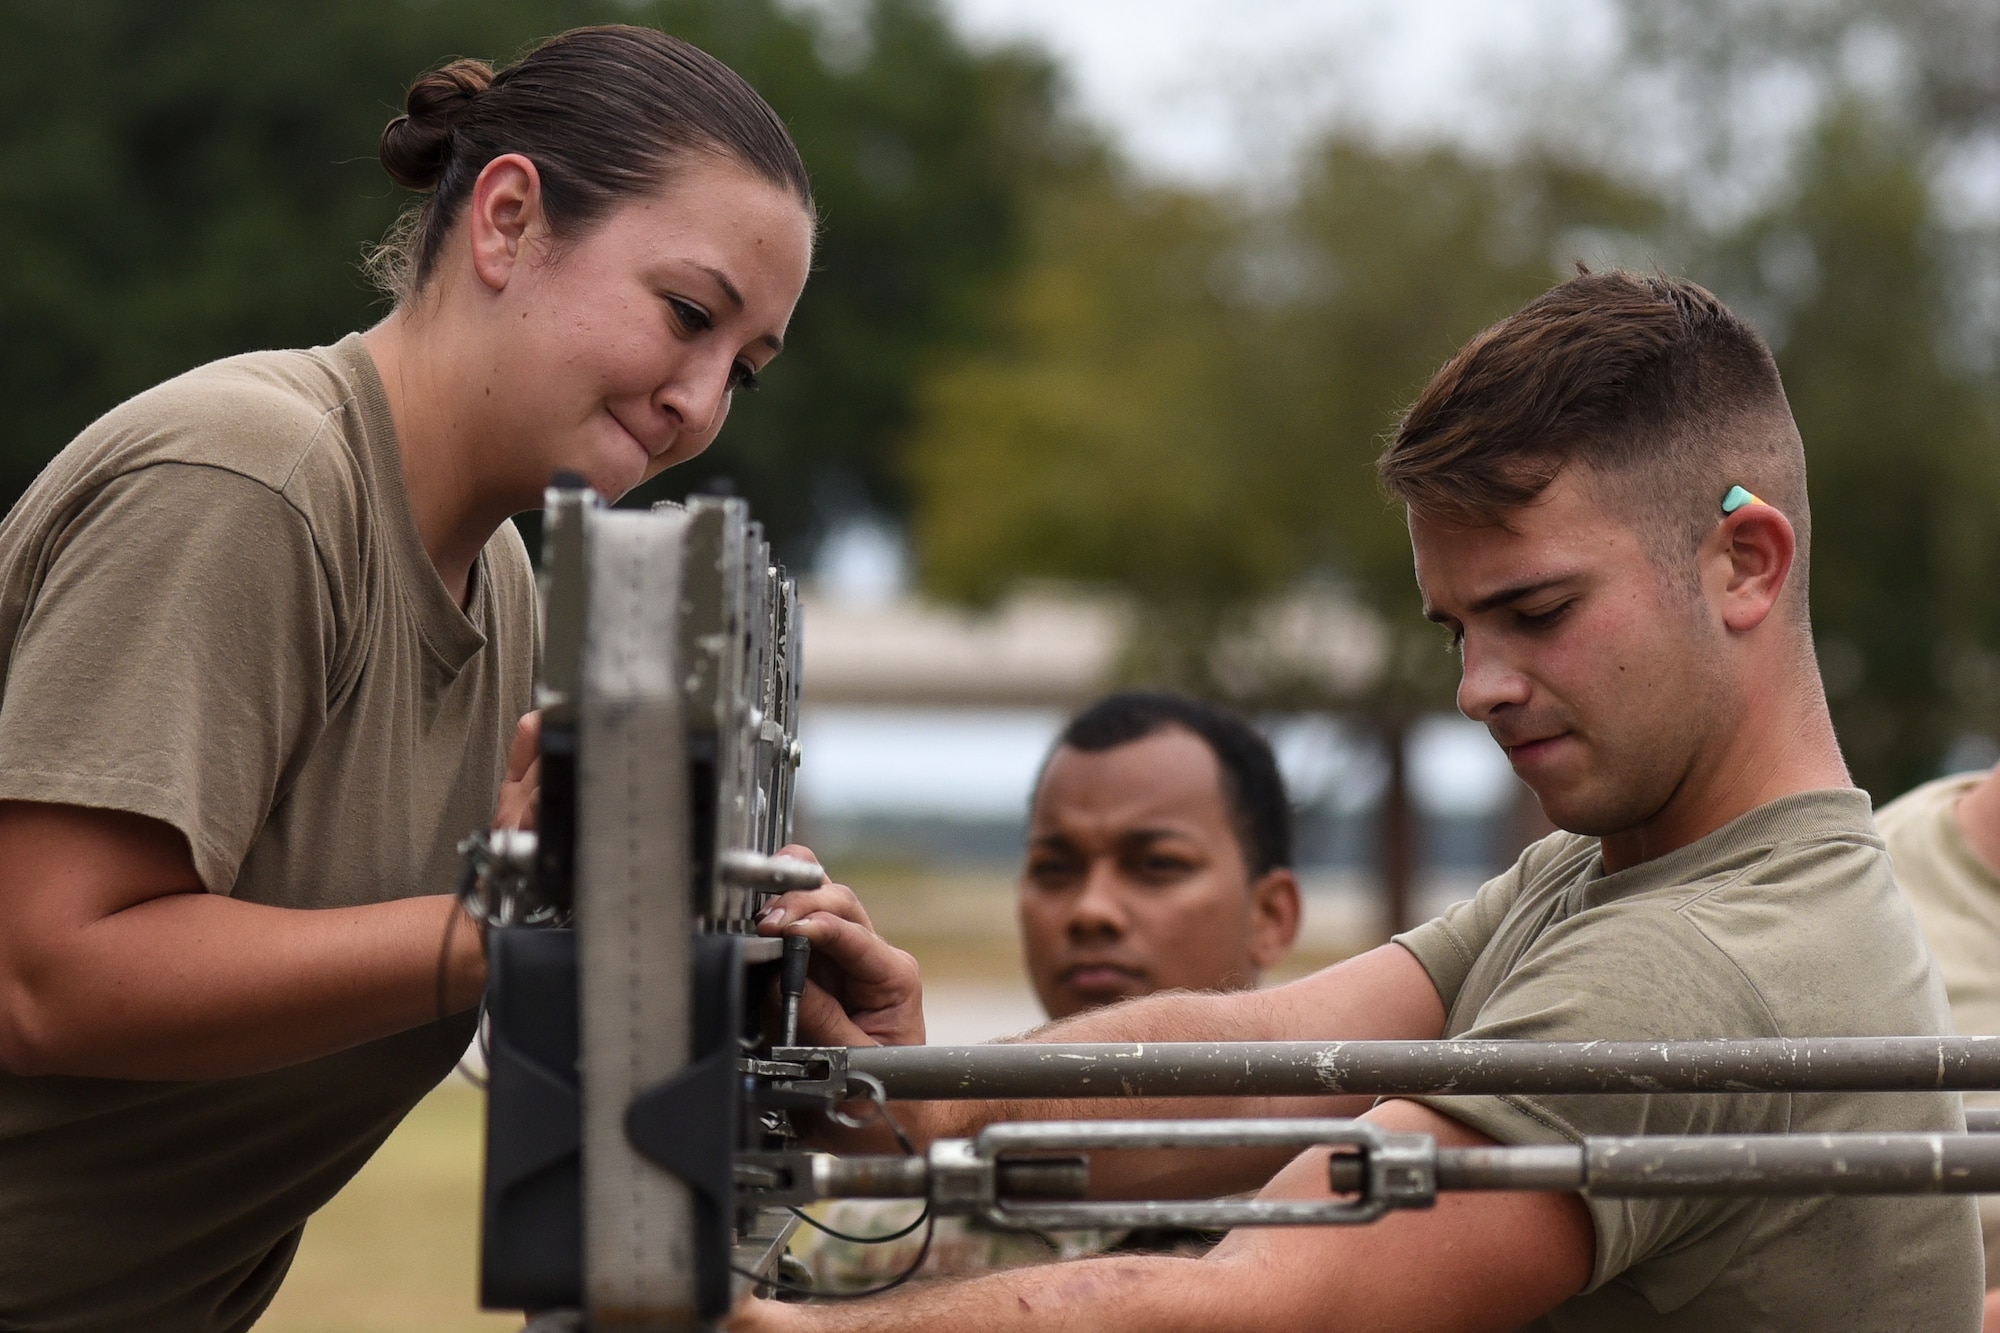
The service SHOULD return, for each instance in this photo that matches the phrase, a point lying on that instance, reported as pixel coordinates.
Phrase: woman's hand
(521, 792)
(860, 990)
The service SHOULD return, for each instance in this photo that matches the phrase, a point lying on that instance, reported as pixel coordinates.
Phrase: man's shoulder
(1790, 925)
(1919, 826)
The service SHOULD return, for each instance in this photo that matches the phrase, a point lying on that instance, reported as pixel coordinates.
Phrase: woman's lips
(644, 448)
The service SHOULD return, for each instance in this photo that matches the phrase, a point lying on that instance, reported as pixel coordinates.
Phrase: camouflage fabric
(957, 1248)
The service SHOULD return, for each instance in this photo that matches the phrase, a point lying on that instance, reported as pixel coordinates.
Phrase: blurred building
(925, 725)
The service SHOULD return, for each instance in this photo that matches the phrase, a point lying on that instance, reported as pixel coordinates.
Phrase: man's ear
(1275, 909)
(503, 216)
(1748, 558)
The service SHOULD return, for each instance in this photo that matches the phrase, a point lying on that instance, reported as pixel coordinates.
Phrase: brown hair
(604, 113)
(1650, 383)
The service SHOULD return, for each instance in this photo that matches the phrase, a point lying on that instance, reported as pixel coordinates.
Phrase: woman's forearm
(193, 985)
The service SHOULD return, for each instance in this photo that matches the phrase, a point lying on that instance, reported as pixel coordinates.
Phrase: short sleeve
(1448, 944)
(173, 662)
(1629, 973)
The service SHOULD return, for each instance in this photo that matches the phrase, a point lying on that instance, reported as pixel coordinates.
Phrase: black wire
(444, 959)
(898, 1234)
(779, 1284)
(879, 1098)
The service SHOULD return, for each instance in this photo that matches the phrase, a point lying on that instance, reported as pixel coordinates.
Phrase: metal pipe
(1794, 1164)
(1311, 1068)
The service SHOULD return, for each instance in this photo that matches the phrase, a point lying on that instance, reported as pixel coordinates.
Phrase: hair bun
(416, 145)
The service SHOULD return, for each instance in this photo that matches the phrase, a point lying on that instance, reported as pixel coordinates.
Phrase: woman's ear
(502, 217)
(1751, 553)
(1275, 910)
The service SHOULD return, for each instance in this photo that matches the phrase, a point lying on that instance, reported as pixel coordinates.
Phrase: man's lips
(1529, 752)
(1097, 978)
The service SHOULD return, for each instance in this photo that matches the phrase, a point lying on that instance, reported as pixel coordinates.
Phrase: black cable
(779, 1284)
(898, 1234)
(879, 1098)
(444, 951)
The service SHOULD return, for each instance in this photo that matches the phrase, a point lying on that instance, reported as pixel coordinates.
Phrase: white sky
(1207, 90)
(980, 763)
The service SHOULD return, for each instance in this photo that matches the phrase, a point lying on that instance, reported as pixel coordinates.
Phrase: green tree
(1191, 397)
(1903, 442)
(186, 181)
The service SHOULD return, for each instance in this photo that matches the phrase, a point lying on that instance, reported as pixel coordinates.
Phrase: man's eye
(1546, 619)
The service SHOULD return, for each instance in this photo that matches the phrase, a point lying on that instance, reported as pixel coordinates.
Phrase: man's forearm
(1384, 993)
(1127, 1294)
(195, 985)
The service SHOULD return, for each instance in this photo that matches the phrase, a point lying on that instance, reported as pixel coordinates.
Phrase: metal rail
(1372, 1171)
(1311, 1068)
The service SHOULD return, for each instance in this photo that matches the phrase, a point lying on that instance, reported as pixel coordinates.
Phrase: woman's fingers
(877, 985)
(830, 899)
(526, 749)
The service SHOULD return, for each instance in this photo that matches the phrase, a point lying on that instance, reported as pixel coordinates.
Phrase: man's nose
(1099, 907)
(1487, 681)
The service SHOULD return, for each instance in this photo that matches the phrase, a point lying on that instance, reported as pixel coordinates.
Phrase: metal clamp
(498, 885)
(1381, 1170)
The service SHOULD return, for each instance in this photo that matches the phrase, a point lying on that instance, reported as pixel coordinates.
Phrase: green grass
(396, 1251)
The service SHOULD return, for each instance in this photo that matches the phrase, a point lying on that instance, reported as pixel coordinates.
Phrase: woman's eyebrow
(728, 287)
(770, 340)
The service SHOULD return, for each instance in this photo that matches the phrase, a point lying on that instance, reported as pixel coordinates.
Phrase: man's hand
(521, 792)
(861, 990)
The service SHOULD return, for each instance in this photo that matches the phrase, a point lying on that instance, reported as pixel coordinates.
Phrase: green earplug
(1736, 497)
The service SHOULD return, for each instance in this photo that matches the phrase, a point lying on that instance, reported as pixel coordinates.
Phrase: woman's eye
(690, 316)
(742, 376)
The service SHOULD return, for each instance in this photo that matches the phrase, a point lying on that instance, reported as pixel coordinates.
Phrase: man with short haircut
(1159, 857)
(1583, 485)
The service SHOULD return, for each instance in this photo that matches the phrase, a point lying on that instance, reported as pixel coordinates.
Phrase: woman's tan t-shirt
(215, 611)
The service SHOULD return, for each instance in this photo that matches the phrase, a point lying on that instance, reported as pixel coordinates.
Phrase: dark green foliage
(184, 181)
(1903, 447)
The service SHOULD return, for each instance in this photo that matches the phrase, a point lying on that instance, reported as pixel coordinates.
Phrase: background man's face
(1135, 881)
(1601, 678)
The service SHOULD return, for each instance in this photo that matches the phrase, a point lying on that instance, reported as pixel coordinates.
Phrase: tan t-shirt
(215, 611)
(1957, 901)
(1784, 923)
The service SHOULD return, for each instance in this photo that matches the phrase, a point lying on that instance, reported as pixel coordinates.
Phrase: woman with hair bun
(267, 639)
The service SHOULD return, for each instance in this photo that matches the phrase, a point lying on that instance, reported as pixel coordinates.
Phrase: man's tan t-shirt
(1957, 901)
(1784, 923)
(215, 610)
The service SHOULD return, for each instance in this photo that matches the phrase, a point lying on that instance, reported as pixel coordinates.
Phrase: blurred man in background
(1944, 838)
(1159, 858)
